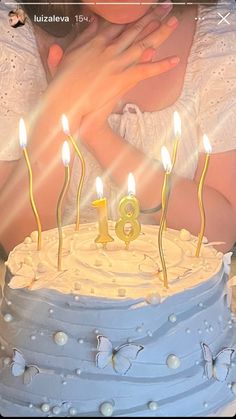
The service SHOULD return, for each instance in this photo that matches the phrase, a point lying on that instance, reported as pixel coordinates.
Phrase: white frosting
(116, 273)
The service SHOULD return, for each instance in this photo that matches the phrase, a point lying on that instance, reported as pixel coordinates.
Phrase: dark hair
(19, 23)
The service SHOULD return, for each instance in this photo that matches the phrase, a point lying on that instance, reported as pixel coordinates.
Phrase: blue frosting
(70, 382)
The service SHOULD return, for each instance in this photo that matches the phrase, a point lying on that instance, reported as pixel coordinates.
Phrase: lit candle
(166, 161)
(66, 162)
(177, 132)
(23, 144)
(66, 129)
(101, 204)
(129, 211)
(208, 150)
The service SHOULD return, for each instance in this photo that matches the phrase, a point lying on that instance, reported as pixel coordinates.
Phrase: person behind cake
(119, 81)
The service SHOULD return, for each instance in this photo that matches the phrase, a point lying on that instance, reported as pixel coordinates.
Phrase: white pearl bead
(56, 410)
(188, 331)
(233, 388)
(205, 404)
(50, 311)
(200, 305)
(8, 318)
(173, 361)
(172, 318)
(199, 331)
(45, 407)
(152, 406)
(154, 299)
(106, 409)
(81, 341)
(78, 371)
(60, 338)
(31, 406)
(73, 411)
(9, 303)
(32, 337)
(149, 333)
(76, 298)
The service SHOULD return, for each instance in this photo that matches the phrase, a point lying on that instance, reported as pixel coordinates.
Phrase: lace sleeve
(22, 81)
(217, 113)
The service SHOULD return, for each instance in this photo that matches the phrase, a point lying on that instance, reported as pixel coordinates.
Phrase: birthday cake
(104, 337)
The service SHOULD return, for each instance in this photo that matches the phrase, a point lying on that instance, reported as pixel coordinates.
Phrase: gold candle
(66, 162)
(101, 204)
(129, 211)
(23, 144)
(164, 199)
(208, 151)
(66, 129)
(177, 133)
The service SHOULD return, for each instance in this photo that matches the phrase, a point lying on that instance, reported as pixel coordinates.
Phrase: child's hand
(111, 61)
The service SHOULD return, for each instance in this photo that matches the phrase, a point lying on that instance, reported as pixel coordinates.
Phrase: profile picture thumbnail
(17, 18)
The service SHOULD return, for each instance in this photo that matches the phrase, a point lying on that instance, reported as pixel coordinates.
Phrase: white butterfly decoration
(217, 367)
(19, 367)
(120, 358)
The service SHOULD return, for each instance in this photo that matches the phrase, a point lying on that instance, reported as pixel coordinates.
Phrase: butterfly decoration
(19, 367)
(120, 357)
(217, 367)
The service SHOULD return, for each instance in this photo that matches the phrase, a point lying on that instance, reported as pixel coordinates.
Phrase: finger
(151, 26)
(109, 32)
(85, 36)
(163, 9)
(154, 40)
(55, 55)
(145, 71)
(129, 35)
(147, 55)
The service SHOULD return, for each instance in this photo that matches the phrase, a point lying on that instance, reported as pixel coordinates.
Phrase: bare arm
(77, 89)
(117, 156)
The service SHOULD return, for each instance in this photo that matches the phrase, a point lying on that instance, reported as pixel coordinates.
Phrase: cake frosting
(104, 337)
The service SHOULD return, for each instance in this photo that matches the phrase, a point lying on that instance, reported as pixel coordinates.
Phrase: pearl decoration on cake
(172, 318)
(139, 329)
(206, 323)
(233, 388)
(60, 338)
(28, 240)
(173, 361)
(81, 341)
(199, 331)
(188, 331)
(8, 317)
(9, 303)
(56, 410)
(78, 371)
(106, 409)
(32, 337)
(45, 407)
(152, 406)
(211, 328)
(154, 299)
(149, 333)
(205, 404)
(76, 298)
(200, 305)
(50, 311)
(31, 405)
(73, 411)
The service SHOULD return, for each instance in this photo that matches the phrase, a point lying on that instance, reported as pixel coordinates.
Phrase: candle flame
(22, 133)
(177, 124)
(166, 160)
(131, 184)
(65, 124)
(207, 144)
(66, 153)
(99, 187)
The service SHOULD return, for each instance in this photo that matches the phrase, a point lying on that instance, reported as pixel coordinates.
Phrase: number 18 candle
(101, 204)
(129, 212)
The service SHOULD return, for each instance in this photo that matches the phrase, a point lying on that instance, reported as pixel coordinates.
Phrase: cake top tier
(114, 272)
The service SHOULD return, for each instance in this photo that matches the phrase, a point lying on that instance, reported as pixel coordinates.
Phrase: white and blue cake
(104, 337)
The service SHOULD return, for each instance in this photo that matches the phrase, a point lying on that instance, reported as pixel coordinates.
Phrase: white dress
(207, 103)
